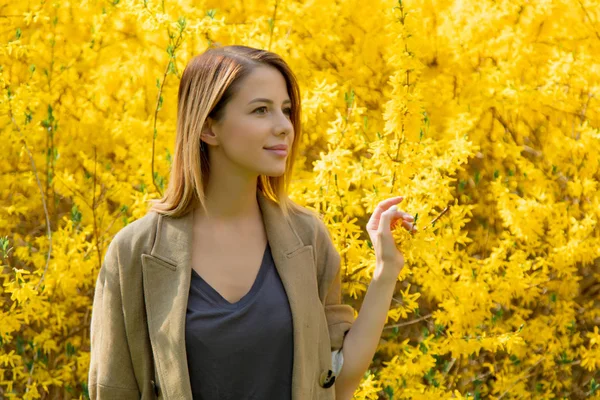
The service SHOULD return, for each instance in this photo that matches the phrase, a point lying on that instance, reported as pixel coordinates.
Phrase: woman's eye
(288, 111)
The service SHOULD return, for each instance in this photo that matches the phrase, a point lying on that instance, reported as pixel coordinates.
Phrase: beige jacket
(138, 316)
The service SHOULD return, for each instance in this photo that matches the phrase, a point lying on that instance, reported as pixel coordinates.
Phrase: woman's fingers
(402, 217)
(382, 207)
(386, 204)
(378, 223)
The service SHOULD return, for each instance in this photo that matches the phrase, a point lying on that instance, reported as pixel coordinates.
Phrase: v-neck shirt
(241, 350)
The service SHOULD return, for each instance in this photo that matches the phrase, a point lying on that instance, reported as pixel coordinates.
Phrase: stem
(411, 322)
(520, 379)
(273, 24)
(158, 96)
(37, 179)
(337, 188)
(99, 254)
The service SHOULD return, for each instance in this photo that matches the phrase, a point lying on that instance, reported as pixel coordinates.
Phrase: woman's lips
(281, 153)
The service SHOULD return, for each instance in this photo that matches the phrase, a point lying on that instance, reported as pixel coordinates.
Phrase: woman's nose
(284, 124)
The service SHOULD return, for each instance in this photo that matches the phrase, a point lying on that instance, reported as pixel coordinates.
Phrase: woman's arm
(360, 343)
(362, 339)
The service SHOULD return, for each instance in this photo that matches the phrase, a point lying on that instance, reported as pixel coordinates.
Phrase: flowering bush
(483, 114)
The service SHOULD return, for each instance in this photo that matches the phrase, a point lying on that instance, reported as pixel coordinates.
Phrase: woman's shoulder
(139, 229)
(137, 236)
(310, 225)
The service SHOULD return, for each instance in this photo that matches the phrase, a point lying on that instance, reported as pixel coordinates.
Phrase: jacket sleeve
(339, 316)
(111, 373)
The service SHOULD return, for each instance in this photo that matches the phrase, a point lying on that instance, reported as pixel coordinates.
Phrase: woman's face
(256, 117)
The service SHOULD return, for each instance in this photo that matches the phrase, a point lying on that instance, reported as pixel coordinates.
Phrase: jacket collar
(173, 242)
(166, 279)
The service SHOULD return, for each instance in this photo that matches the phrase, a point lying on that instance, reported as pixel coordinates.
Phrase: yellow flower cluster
(484, 114)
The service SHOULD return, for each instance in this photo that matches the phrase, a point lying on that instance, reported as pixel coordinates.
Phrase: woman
(226, 288)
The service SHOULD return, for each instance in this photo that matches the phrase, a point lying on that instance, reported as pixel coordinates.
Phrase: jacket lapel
(166, 274)
(166, 279)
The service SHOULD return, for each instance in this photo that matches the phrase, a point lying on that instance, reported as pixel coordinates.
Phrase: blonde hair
(208, 82)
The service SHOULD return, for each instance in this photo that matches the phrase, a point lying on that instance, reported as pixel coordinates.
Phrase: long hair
(208, 82)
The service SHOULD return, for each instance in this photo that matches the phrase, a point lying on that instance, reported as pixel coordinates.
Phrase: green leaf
(515, 360)
(349, 98)
(75, 214)
(594, 386)
(86, 392)
(439, 330)
(47, 123)
(389, 391)
(70, 349)
(20, 345)
(181, 22)
(172, 69)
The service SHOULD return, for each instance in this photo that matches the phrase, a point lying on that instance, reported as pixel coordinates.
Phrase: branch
(414, 321)
(12, 118)
(520, 379)
(272, 24)
(94, 210)
(504, 123)
(590, 18)
(159, 95)
(432, 223)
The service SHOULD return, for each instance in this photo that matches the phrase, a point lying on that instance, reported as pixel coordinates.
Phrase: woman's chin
(274, 173)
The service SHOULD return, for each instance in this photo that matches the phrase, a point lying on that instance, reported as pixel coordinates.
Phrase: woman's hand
(386, 216)
(361, 341)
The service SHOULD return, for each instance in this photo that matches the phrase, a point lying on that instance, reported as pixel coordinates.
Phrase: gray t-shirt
(242, 350)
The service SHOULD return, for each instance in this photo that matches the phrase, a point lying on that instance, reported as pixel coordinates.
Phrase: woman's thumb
(386, 218)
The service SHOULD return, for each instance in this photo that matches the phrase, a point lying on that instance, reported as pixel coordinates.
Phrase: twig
(94, 210)
(450, 365)
(590, 18)
(414, 321)
(155, 118)
(158, 99)
(75, 191)
(520, 379)
(504, 123)
(42, 194)
(432, 223)
(272, 24)
(479, 377)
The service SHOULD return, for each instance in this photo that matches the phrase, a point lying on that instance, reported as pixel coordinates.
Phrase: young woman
(226, 289)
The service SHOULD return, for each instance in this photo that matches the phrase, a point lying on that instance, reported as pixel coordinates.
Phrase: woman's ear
(208, 135)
